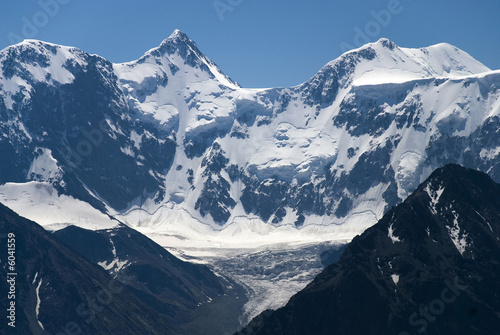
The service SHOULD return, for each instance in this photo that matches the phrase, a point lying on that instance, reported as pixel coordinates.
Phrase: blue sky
(259, 43)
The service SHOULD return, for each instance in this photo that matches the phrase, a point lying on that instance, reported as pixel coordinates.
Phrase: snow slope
(224, 165)
(297, 143)
(41, 202)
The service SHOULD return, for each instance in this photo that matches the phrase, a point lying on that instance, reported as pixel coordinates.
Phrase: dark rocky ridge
(178, 290)
(75, 295)
(445, 284)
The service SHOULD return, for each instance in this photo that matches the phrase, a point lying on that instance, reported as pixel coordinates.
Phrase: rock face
(58, 291)
(170, 130)
(180, 291)
(429, 266)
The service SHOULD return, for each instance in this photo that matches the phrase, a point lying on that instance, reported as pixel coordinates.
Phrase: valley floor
(270, 274)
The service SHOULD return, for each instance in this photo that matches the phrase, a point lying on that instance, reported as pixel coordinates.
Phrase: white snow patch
(489, 154)
(44, 167)
(116, 265)
(459, 240)
(395, 278)
(434, 195)
(136, 138)
(406, 176)
(128, 151)
(390, 234)
(37, 308)
(40, 202)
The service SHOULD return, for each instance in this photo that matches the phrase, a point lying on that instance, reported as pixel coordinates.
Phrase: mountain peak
(454, 183)
(178, 37)
(453, 176)
(177, 42)
(386, 43)
(451, 172)
(179, 50)
(178, 34)
(31, 46)
(39, 61)
(384, 62)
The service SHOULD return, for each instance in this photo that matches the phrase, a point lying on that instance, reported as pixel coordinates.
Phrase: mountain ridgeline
(58, 291)
(116, 281)
(181, 292)
(170, 130)
(429, 266)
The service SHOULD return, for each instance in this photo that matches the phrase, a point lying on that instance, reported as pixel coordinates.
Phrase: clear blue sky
(259, 43)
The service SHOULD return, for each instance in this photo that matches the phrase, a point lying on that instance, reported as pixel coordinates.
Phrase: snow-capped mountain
(171, 146)
(169, 135)
(429, 266)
